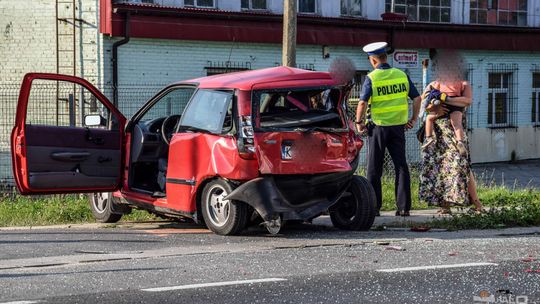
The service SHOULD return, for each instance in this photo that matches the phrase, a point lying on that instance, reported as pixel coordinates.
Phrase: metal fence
(53, 105)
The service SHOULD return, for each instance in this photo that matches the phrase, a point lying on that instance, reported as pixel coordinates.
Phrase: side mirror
(93, 120)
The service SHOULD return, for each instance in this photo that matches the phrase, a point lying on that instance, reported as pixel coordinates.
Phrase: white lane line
(20, 302)
(436, 267)
(203, 285)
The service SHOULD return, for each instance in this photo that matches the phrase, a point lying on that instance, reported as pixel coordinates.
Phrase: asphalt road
(304, 264)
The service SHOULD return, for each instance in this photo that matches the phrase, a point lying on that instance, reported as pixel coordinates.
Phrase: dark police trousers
(393, 139)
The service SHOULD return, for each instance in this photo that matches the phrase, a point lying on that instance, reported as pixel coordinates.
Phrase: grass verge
(17, 210)
(507, 208)
(510, 208)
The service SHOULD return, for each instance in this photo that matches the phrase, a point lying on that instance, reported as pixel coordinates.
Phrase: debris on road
(420, 228)
(396, 248)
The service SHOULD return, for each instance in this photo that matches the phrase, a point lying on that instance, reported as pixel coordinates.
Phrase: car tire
(102, 209)
(224, 217)
(357, 208)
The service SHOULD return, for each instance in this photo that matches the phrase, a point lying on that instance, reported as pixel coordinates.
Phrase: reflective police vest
(388, 102)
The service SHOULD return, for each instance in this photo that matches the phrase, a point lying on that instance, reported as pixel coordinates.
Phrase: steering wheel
(167, 127)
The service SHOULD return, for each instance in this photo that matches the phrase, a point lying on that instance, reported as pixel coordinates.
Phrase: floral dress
(444, 173)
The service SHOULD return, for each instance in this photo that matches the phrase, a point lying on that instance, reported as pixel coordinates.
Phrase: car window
(208, 110)
(285, 108)
(63, 103)
(172, 103)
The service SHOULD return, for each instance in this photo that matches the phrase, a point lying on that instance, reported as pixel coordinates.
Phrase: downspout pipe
(115, 47)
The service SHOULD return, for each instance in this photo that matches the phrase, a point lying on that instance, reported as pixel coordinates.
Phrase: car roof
(245, 80)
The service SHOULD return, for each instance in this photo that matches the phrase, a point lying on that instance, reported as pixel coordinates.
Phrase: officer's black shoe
(403, 213)
(377, 213)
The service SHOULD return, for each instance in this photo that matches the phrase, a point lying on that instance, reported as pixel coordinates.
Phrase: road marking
(436, 267)
(215, 284)
(167, 231)
(21, 302)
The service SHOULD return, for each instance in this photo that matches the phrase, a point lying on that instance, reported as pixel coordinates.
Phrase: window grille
(501, 99)
(306, 66)
(422, 10)
(470, 110)
(222, 67)
(535, 96)
(503, 12)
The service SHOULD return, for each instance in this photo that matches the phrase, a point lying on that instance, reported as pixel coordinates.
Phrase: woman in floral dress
(446, 178)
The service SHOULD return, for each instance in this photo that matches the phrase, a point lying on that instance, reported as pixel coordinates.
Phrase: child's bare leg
(430, 121)
(430, 138)
(456, 119)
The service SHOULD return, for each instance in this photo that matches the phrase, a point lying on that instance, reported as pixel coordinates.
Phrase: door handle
(70, 156)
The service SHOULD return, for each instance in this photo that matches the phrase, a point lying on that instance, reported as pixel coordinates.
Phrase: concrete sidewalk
(521, 174)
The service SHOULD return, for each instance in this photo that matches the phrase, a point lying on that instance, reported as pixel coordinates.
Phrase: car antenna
(230, 54)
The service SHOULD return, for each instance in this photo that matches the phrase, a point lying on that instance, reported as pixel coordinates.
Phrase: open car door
(67, 137)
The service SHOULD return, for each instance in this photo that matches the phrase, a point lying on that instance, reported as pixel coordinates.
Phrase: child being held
(436, 97)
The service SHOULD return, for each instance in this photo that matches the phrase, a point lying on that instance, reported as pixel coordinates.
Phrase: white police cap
(375, 48)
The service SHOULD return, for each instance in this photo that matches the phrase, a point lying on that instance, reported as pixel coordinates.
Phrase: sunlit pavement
(164, 262)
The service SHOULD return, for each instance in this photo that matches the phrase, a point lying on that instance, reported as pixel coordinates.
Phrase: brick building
(155, 42)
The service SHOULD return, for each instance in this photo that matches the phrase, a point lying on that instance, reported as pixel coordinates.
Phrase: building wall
(28, 39)
(371, 9)
(28, 44)
(25, 40)
(149, 62)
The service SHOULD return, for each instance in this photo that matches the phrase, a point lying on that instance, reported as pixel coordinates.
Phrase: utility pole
(289, 33)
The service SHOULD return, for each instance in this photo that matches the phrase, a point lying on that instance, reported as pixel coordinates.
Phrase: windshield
(171, 103)
(207, 111)
(293, 108)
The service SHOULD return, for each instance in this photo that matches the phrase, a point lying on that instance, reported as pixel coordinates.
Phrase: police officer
(384, 96)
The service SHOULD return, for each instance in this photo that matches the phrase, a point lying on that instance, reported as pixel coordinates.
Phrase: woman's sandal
(477, 210)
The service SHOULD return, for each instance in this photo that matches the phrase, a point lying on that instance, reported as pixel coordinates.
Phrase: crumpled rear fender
(264, 195)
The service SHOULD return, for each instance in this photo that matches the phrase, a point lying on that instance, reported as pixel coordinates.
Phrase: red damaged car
(223, 150)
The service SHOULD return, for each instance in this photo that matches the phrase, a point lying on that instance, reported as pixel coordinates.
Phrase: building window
(351, 8)
(421, 10)
(535, 113)
(254, 4)
(219, 67)
(356, 90)
(199, 3)
(499, 99)
(502, 12)
(306, 66)
(307, 6)
(470, 110)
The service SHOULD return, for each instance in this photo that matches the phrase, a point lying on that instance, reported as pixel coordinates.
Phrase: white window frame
(308, 13)
(196, 4)
(348, 3)
(493, 92)
(428, 6)
(250, 8)
(536, 92)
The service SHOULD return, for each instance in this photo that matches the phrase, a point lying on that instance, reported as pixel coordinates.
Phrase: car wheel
(357, 208)
(224, 217)
(101, 205)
